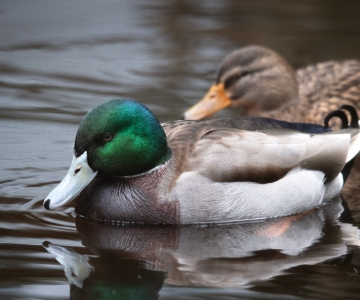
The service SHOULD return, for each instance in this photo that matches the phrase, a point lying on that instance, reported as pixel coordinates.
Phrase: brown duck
(260, 82)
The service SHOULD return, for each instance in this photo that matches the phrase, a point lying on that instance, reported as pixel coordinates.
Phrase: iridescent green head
(121, 137)
(118, 138)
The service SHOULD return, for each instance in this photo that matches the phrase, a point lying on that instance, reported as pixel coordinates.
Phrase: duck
(260, 82)
(257, 81)
(129, 168)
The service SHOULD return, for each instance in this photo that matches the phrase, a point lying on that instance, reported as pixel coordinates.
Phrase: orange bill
(214, 101)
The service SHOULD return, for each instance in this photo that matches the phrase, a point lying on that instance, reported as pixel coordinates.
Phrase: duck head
(254, 78)
(117, 138)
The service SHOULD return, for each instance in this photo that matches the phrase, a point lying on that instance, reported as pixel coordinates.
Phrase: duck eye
(231, 80)
(234, 78)
(107, 137)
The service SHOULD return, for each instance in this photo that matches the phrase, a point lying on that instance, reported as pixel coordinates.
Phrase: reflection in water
(76, 266)
(59, 59)
(113, 276)
(135, 261)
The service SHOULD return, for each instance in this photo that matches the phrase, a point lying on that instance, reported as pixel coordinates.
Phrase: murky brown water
(59, 59)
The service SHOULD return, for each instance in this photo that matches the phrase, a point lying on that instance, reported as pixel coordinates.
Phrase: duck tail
(354, 147)
(352, 127)
(355, 139)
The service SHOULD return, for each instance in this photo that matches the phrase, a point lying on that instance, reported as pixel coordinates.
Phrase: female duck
(130, 168)
(261, 83)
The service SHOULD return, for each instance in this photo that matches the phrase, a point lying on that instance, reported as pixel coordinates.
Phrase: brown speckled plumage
(325, 86)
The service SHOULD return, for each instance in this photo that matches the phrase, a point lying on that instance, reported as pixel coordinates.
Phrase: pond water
(60, 59)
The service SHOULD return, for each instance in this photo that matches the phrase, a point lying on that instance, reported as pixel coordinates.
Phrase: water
(60, 59)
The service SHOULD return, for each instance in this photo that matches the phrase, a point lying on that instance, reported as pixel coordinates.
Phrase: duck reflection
(134, 262)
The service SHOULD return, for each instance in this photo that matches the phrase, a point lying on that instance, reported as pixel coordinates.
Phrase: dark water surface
(59, 59)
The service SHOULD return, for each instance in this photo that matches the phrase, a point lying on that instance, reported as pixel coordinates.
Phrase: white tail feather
(354, 147)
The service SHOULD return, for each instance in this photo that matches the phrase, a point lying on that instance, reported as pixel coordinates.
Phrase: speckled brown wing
(325, 86)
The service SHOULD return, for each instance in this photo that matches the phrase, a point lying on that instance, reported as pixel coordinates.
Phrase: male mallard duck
(130, 168)
(262, 83)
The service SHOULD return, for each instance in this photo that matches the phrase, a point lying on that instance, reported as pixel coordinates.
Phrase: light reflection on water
(137, 261)
(58, 60)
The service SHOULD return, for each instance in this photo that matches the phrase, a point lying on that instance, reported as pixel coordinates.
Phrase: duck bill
(214, 101)
(76, 179)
